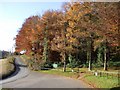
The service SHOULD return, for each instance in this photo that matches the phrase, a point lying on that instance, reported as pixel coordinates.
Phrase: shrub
(46, 65)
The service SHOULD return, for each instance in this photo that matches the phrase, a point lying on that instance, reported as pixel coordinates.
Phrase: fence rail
(106, 74)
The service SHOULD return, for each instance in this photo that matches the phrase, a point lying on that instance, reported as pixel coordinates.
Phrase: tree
(51, 28)
(79, 31)
(80, 27)
(27, 34)
(108, 26)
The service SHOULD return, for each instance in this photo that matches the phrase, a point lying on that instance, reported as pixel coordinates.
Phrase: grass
(6, 66)
(7, 89)
(102, 82)
(25, 58)
(110, 69)
(68, 73)
(96, 81)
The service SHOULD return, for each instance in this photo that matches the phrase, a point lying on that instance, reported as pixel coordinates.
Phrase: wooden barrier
(106, 74)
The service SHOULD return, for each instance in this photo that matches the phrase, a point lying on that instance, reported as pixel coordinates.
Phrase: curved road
(23, 78)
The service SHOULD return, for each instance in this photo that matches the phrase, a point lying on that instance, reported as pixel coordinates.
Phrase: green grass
(97, 81)
(102, 82)
(68, 73)
(110, 69)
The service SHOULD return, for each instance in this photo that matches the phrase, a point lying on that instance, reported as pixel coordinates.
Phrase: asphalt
(24, 78)
(21, 72)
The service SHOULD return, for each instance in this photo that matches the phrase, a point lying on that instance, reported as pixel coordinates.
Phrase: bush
(74, 63)
(96, 65)
(114, 64)
(60, 64)
(46, 65)
(85, 65)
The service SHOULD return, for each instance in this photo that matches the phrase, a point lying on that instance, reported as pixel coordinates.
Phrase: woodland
(81, 34)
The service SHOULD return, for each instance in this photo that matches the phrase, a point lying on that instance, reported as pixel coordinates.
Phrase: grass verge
(101, 82)
(95, 81)
(6, 67)
(60, 72)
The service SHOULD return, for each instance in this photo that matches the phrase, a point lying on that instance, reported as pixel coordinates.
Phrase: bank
(7, 67)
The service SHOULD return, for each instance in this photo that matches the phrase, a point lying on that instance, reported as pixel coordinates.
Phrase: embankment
(6, 67)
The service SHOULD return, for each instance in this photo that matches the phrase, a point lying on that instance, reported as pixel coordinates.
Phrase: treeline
(4, 54)
(78, 35)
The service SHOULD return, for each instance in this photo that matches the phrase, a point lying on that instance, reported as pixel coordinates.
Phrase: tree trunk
(105, 60)
(64, 58)
(89, 54)
(105, 56)
(89, 61)
(64, 36)
(45, 52)
(64, 68)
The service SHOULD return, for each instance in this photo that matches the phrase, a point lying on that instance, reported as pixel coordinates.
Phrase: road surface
(24, 78)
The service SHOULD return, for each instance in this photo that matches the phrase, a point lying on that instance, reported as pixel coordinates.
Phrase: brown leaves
(83, 19)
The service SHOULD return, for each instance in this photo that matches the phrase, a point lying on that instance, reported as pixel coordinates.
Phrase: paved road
(40, 80)
(21, 71)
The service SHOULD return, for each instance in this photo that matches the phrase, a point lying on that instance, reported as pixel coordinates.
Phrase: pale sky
(13, 15)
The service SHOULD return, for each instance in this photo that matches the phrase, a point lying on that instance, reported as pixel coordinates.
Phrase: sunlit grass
(60, 72)
(97, 81)
(102, 82)
(6, 66)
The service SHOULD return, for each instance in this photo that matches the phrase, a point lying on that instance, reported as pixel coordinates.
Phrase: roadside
(6, 67)
(87, 77)
(104, 79)
(20, 72)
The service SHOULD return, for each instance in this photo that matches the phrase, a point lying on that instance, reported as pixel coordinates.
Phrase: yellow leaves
(72, 24)
(68, 34)
(69, 48)
(72, 40)
(97, 43)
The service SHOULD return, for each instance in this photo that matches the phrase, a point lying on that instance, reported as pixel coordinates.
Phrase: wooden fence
(107, 74)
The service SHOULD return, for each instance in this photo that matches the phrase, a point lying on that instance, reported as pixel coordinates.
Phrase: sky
(13, 15)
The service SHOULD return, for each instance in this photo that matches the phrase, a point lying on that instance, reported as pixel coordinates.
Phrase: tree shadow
(15, 71)
(115, 88)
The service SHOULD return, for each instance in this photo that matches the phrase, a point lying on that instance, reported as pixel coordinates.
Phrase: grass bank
(101, 82)
(6, 67)
(68, 73)
(95, 81)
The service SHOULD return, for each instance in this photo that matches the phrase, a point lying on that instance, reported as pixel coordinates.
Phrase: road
(25, 78)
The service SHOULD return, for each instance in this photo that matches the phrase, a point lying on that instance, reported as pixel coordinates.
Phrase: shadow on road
(17, 69)
(115, 88)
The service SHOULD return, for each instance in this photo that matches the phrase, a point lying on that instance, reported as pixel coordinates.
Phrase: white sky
(8, 29)
(13, 15)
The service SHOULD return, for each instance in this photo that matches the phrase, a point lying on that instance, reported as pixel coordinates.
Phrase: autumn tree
(78, 15)
(86, 27)
(107, 27)
(51, 24)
